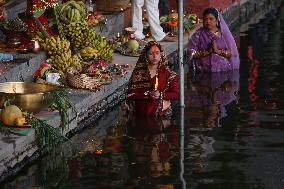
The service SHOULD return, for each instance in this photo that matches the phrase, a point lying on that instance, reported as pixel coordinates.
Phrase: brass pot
(30, 97)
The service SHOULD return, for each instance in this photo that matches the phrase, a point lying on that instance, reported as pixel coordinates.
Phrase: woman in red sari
(153, 85)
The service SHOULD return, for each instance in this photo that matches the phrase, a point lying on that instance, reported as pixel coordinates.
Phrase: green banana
(77, 16)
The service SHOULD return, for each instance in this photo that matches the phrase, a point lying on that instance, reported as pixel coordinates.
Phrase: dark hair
(151, 44)
(212, 11)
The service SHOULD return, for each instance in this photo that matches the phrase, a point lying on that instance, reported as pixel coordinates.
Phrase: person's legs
(164, 7)
(137, 18)
(154, 19)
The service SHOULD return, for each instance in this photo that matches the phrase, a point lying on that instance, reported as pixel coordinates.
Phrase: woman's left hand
(154, 95)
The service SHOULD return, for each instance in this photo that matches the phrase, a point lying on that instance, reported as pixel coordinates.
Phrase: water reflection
(153, 152)
(208, 96)
(136, 153)
(211, 99)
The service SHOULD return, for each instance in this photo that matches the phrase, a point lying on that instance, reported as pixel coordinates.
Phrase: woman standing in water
(152, 85)
(212, 48)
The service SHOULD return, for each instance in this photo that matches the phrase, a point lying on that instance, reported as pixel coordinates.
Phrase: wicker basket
(82, 82)
(111, 5)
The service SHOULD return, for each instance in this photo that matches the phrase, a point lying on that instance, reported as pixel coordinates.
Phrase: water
(233, 133)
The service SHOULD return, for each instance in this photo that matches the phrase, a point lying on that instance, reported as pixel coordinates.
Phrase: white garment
(153, 19)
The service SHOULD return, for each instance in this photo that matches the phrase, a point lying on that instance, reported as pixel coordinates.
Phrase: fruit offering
(12, 116)
(132, 44)
(60, 54)
(72, 11)
(82, 36)
(88, 52)
(189, 21)
(42, 71)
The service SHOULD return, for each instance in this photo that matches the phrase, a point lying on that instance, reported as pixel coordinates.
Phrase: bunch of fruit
(42, 71)
(88, 52)
(189, 21)
(82, 36)
(77, 32)
(72, 11)
(118, 40)
(60, 54)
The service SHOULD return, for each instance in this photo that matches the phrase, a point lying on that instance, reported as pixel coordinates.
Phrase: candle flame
(98, 151)
(156, 83)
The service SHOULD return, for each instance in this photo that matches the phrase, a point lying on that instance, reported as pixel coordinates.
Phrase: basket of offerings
(81, 81)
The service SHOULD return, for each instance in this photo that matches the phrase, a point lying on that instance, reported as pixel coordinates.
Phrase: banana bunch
(105, 53)
(88, 52)
(82, 36)
(59, 52)
(74, 32)
(75, 63)
(61, 62)
(72, 11)
(56, 46)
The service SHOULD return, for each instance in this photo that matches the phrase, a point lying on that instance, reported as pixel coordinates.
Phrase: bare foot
(168, 39)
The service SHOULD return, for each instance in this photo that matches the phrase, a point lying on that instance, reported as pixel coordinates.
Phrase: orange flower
(173, 23)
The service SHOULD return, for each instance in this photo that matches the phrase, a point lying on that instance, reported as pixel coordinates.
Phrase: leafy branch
(46, 135)
(62, 104)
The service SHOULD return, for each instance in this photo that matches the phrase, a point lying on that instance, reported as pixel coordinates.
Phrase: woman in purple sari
(212, 48)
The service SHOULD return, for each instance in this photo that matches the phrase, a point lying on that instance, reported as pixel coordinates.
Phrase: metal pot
(30, 97)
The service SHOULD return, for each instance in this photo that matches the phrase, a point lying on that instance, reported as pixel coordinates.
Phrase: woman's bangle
(202, 53)
(225, 53)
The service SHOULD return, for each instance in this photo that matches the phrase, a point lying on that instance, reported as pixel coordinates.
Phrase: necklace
(216, 32)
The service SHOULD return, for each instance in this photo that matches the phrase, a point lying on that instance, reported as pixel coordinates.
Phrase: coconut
(133, 44)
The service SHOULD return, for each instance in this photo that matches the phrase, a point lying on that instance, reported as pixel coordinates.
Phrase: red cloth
(144, 106)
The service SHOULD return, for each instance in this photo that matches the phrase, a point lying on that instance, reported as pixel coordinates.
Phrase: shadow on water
(233, 133)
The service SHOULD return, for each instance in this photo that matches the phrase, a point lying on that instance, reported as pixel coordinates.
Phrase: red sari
(168, 86)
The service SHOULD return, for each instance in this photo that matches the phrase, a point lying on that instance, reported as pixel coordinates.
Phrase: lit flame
(98, 151)
(157, 82)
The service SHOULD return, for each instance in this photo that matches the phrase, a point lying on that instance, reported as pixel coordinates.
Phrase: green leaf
(38, 13)
(8, 102)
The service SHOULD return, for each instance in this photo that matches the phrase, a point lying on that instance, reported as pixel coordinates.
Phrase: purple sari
(202, 40)
(206, 90)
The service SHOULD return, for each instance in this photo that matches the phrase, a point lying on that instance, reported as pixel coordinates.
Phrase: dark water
(234, 133)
